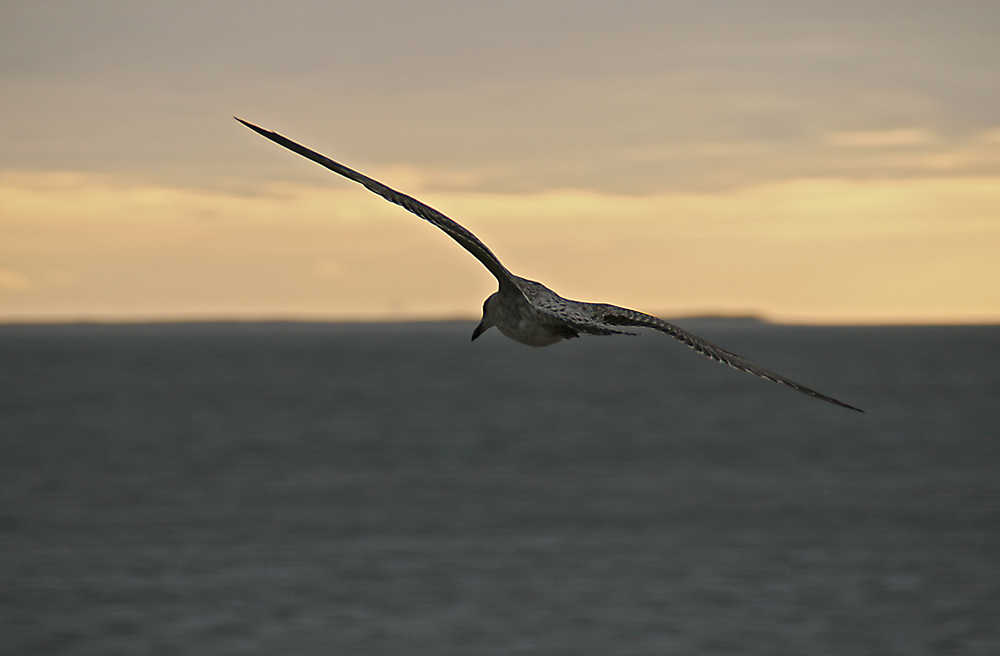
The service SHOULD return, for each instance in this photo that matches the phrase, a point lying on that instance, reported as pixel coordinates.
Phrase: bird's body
(527, 311)
(519, 319)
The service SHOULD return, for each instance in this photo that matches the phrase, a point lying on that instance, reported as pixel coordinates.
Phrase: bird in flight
(528, 311)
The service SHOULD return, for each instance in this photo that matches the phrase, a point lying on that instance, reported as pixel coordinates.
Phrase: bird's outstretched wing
(466, 239)
(595, 317)
(592, 318)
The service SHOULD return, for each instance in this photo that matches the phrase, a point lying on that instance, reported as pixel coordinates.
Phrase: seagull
(527, 311)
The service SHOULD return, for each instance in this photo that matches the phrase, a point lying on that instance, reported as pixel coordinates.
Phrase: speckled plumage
(527, 311)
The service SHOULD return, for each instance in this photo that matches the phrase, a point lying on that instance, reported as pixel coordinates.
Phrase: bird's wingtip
(849, 407)
(250, 125)
(259, 130)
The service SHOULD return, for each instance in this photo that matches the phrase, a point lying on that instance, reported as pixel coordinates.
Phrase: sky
(810, 162)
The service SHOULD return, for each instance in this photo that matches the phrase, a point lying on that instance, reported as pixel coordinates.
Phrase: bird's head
(487, 321)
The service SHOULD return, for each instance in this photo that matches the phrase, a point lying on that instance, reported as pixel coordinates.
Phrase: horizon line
(780, 319)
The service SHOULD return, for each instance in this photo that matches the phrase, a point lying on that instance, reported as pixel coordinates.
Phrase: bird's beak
(480, 329)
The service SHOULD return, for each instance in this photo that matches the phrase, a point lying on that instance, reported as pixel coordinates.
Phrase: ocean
(296, 488)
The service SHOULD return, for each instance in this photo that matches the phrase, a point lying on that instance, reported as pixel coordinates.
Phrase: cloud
(636, 98)
(12, 281)
(881, 138)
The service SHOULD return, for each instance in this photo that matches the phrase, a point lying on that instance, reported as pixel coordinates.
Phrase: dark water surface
(396, 489)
